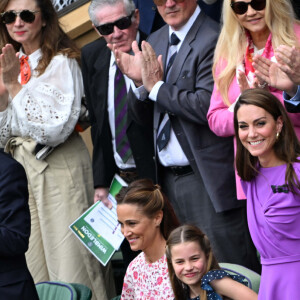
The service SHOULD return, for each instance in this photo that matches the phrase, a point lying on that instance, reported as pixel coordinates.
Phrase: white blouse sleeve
(47, 108)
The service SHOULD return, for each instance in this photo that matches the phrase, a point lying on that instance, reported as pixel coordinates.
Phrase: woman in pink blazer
(249, 29)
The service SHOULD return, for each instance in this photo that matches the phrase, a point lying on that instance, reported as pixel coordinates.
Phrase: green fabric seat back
(83, 292)
(55, 290)
(252, 277)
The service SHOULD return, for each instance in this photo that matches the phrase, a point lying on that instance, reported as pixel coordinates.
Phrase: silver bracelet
(262, 86)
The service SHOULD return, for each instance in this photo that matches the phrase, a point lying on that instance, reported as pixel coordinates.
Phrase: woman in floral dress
(146, 219)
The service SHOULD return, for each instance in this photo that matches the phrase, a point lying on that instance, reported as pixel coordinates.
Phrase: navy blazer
(186, 97)
(150, 19)
(95, 70)
(14, 231)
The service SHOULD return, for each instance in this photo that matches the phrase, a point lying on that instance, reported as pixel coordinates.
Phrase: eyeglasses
(26, 15)
(162, 2)
(108, 28)
(241, 7)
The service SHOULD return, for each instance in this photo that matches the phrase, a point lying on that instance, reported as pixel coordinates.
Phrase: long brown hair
(53, 40)
(182, 234)
(150, 199)
(286, 148)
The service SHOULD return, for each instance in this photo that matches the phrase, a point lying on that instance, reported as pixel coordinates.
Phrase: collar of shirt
(183, 31)
(33, 58)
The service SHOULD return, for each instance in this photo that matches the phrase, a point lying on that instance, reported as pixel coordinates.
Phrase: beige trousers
(60, 190)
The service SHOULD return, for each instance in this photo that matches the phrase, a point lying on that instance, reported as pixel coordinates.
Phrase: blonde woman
(249, 28)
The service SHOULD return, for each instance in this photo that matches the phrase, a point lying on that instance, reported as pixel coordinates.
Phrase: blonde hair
(232, 42)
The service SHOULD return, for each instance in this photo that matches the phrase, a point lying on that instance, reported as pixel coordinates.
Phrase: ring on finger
(262, 85)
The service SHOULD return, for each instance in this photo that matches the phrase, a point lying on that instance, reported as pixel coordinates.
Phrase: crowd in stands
(194, 104)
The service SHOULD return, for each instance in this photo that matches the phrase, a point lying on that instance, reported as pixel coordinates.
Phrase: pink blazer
(220, 119)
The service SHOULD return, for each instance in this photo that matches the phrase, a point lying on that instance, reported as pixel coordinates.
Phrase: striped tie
(122, 143)
(165, 132)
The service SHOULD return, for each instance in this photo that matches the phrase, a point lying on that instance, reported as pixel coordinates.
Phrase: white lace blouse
(47, 107)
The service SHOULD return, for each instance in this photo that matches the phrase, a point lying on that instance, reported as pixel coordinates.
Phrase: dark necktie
(174, 42)
(120, 97)
(164, 135)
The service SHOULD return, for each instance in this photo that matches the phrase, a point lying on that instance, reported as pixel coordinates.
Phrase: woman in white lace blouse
(40, 99)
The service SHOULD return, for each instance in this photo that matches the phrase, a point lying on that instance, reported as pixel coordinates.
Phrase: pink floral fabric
(144, 281)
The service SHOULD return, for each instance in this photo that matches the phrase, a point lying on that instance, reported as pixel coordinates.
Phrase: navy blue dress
(212, 275)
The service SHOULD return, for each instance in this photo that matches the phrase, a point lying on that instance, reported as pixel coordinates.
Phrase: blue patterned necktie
(174, 42)
(164, 135)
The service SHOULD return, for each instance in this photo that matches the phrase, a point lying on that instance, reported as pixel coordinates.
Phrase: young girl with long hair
(194, 271)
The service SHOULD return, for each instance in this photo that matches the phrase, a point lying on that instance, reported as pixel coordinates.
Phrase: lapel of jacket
(185, 49)
(160, 46)
(100, 84)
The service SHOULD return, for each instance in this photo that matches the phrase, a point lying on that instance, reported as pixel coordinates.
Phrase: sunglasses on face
(26, 15)
(241, 7)
(122, 23)
(162, 2)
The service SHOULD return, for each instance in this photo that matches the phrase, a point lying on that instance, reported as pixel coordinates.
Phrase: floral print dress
(147, 281)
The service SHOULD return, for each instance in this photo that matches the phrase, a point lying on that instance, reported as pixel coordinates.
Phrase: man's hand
(130, 65)
(289, 62)
(270, 72)
(152, 67)
(101, 195)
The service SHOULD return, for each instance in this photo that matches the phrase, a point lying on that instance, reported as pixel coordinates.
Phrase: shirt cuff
(140, 92)
(294, 100)
(154, 91)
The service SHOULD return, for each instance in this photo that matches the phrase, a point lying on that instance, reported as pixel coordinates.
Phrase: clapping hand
(289, 62)
(152, 67)
(271, 73)
(10, 69)
(10, 65)
(129, 64)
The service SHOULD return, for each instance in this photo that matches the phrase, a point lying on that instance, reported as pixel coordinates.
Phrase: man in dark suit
(194, 165)
(112, 126)
(15, 280)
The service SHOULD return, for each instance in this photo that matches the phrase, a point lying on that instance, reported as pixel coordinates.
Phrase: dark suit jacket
(292, 108)
(15, 278)
(212, 10)
(186, 98)
(95, 69)
(150, 19)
